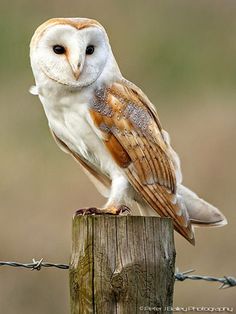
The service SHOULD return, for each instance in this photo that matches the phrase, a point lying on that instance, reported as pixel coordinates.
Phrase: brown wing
(133, 135)
(99, 179)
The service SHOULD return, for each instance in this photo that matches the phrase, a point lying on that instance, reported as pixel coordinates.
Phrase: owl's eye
(59, 50)
(90, 50)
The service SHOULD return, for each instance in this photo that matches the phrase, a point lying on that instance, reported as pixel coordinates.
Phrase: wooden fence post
(122, 264)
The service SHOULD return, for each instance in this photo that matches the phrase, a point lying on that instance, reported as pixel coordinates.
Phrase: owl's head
(71, 51)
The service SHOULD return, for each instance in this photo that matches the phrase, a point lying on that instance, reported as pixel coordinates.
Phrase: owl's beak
(76, 72)
(76, 69)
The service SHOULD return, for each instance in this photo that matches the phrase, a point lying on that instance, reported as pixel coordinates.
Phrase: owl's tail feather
(201, 213)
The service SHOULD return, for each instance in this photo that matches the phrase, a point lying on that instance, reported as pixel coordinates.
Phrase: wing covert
(133, 135)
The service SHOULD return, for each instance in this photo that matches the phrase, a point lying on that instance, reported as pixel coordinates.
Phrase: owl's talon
(123, 209)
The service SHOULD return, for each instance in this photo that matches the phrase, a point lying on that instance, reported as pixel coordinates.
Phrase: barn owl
(110, 126)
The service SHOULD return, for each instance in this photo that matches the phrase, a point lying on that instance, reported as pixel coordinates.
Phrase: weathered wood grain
(121, 264)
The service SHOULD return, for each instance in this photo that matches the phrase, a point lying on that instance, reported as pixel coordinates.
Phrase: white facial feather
(63, 68)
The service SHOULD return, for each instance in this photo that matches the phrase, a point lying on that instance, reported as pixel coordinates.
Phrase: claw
(123, 209)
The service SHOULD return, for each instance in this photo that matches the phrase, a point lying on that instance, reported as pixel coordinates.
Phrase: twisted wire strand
(35, 265)
(226, 281)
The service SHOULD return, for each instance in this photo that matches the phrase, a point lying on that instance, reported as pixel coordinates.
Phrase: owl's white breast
(69, 118)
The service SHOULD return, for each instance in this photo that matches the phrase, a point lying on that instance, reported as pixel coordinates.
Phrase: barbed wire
(35, 265)
(226, 281)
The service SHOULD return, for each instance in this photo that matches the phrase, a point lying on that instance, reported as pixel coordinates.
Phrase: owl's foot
(122, 209)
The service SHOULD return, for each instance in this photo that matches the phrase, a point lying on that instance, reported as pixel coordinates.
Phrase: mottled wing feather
(133, 135)
(143, 98)
(119, 113)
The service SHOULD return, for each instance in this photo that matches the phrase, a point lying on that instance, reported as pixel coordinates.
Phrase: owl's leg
(114, 205)
(119, 190)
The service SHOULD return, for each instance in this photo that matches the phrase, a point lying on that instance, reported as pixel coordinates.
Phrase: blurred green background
(183, 55)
